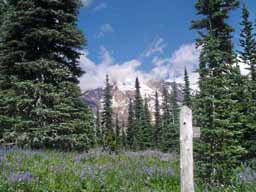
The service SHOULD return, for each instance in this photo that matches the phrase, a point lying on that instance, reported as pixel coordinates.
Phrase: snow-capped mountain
(122, 92)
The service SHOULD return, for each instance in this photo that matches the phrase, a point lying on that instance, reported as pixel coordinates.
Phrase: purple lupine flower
(2, 158)
(88, 171)
(150, 171)
(78, 158)
(169, 172)
(20, 177)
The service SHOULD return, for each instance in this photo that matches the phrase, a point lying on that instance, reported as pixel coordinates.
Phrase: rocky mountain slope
(122, 92)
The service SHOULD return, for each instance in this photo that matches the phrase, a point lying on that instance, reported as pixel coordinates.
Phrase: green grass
(51, 171)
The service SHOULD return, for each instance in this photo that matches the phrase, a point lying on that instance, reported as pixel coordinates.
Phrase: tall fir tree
(98, 126)
(107, 119)
(123, 136)
(248, 56)
(130, 126)
(187, 91)
(157, 131)
(138, 111)
(218, 150)
(248, 43)
(174, 107)
(146, 127)
(39, 70)
(166, 117)
(173, 144)
(117, 132)
(166, 122)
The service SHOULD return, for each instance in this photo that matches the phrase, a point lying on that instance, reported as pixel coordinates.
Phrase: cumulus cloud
(100, 6)
(172, 68)
(87, 3)
(119, 72)
(104, 29)
(126, 72)
(186, 56)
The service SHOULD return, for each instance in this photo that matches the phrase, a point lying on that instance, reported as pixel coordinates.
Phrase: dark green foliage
(4, 7)
(39, 70)
(146, 127)
(219, 148)
(138, 112)
(99, 135)
(123, 136)
(166, 122)
(157, 131)
(173, 127)
(130, 126)
(109, 143)
(166, 117)
(174, 107)
(117, 132)
(247, 42)
(248, 56)
(186, 92)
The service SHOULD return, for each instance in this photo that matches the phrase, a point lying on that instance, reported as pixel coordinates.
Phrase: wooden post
(186, 150)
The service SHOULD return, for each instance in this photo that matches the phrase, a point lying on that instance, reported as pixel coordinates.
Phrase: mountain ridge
(123, 92)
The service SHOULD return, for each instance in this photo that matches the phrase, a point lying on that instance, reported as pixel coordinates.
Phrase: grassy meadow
(96, 171)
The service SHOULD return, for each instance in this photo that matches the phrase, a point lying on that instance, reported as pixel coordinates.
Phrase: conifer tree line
(225, 106)
(143, 129)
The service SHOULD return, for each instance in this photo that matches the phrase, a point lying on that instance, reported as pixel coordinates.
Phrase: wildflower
(149, 171)
(78, 158)
(20, 177)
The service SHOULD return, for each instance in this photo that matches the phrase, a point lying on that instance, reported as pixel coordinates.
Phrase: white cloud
(186, 56)
(172, 67)
(104, 29)
(87, 3)
(95, 73)
(100, 6)
(157, 46)
(126, 72)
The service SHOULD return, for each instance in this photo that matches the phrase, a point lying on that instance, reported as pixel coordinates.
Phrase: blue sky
(151, 35)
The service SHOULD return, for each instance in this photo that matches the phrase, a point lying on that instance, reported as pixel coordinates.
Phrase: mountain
(122, 92)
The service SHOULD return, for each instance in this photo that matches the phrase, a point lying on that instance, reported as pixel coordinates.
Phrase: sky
(150, 39)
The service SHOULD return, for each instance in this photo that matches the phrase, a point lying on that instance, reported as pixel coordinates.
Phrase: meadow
(96, 171)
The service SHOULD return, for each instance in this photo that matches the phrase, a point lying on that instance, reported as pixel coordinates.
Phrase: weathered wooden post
(186, 150)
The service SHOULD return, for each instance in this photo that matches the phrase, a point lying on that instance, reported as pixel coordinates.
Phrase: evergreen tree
(130, 127)
(248, 44)
(3, 9)
(39, 70)
(117, 131)
(173, 144)
(166, 117)
(186, 92)
(157, 126)
(138, 111)
(248, 56)
(166, 122)
(174, 107)
(123, 136)
(107, 119)
(98, 126)
(218, 148)
(146, 127)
